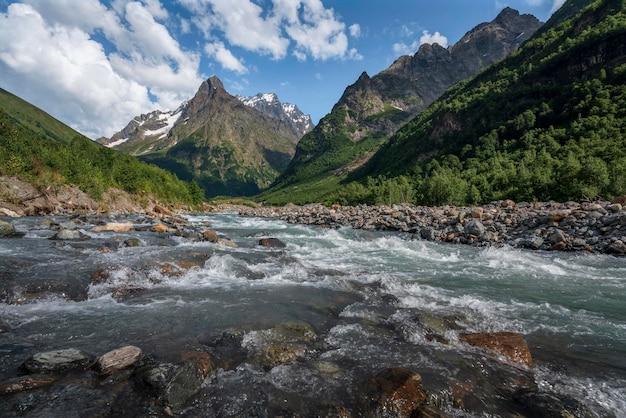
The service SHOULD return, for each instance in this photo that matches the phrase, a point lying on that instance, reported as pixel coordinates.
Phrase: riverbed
(346, 303)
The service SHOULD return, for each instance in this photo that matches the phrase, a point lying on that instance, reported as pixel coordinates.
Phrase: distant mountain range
(230, 145)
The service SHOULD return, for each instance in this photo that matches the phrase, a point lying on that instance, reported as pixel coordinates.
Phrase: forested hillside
(46, 153)
(549, 122)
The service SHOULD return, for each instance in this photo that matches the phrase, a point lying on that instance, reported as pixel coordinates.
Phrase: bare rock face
(508, 344)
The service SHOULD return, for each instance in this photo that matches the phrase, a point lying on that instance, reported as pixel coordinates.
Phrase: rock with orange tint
(114, 227)
(159, 228)
(509, 344)
(394, 392)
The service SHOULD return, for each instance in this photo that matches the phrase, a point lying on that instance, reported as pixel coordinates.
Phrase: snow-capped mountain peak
(269, 104)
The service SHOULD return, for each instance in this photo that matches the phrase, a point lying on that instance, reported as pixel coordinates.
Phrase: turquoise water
(570, 308)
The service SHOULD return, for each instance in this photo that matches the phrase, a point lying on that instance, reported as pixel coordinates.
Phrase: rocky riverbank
(597, 227)
(19, 198)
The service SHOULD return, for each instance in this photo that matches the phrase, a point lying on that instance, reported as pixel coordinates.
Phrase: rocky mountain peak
(269, 104)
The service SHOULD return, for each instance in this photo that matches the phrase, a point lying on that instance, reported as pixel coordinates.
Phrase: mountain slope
(373, 108)
(48, 154)
(549, 122)
(228, 147)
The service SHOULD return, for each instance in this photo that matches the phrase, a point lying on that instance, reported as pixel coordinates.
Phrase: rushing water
(362, 291)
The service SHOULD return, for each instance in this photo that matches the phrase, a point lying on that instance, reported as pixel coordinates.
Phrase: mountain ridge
(546, 123)
(373, 108)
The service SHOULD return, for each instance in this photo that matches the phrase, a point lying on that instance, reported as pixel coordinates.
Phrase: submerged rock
(395, 392)
(23, 383)
(172, 384)
(271, 243)
(510, 345)
(543, 404)
(56, 361)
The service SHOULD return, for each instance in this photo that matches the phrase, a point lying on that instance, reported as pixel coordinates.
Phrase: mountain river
(362, 301)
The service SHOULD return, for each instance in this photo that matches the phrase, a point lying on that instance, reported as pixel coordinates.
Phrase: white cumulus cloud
(306, 26)
(53, 59)
(355, 30)
(435, 38)
(221, 54)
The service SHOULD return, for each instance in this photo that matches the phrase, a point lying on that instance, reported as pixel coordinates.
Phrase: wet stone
(271, 243)
(508, 344)
(172, 384)
(56, 361)
(395, 392)
(542, 404)
(69, 235)
(24, 383)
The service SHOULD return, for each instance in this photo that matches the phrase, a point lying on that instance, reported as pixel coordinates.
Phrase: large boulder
(56, 361)
(6, 228)
(395, 392)
(508, 344)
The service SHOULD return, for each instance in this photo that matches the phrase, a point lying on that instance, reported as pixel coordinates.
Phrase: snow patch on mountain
(269, 104)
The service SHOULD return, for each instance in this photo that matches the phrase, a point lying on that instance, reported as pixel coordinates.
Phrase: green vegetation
(41, 150)
(549, 122)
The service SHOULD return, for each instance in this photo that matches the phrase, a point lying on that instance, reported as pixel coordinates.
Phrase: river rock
(118, 359)
(132, 242)
(68, 235)
(163, 210)
(617, 247)
(6, 228)
(395, 392)
(210, 235)
(159, 228)
(114, 227)
(474, 227)
(56, 361)
(543, 404)
(508, 344)
(172, 384)
(203, 361)
(271, 243)
(226, 242)
(23, 383)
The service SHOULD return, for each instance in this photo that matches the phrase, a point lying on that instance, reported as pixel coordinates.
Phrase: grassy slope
(45, 152)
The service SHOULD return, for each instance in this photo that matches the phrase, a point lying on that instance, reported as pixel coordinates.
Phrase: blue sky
(95, 64)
